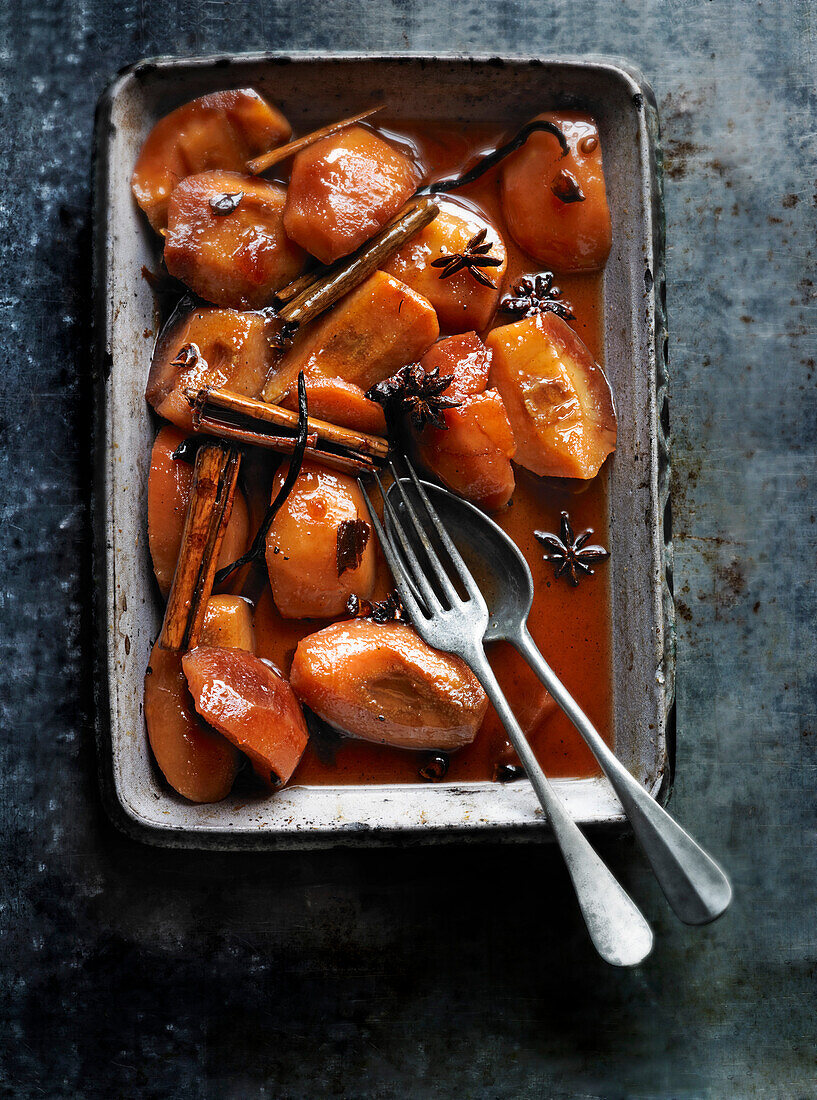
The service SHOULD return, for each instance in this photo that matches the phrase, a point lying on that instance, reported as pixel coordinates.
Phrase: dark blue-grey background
(126, 971)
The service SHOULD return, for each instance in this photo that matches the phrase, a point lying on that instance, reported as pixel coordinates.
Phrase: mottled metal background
(134, 972)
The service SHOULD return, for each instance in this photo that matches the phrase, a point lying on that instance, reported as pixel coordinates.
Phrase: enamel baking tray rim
(311, 89)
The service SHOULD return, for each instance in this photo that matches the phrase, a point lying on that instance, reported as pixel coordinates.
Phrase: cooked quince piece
(320, 547)
(564, 235)
(195, 760)
(228, 624)
(472, 456)
(344, 189)
(557, 397)
(462, 300)
(222, 348)
(340, 402)
(169, 485)
(463, 356)
(382, 682)
(252, 705)
(376, 329)
(220, 130)
(225, 239)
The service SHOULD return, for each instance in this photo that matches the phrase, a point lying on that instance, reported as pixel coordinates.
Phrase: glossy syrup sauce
(570, 625)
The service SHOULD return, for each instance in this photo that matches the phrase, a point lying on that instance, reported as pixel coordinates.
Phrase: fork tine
(398, 569)
(462, 569)
(410, 562)
(433, 558)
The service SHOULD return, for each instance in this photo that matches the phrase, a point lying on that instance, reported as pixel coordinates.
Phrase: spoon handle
(617, 928)
(694, 885)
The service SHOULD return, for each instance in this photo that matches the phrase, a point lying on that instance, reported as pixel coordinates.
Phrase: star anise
(535, 294)
(570, 553)
(417, 392)
(473, 257)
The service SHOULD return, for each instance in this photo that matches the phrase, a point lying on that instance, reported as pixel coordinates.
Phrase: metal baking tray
(311, 89)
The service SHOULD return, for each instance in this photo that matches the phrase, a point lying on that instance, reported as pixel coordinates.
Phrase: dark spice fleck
(226, 203)
(535, 294)
(435, 766)
(507, 773)
(388, 610)
(472, 258)
(570, 553)
(283, 334)
(352, 539)
(418, 393)
(566, 188)
(187, 355)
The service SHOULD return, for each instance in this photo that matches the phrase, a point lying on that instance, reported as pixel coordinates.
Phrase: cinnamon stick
(246, 420)
(325, 288)
(275, 156)
(208, 513)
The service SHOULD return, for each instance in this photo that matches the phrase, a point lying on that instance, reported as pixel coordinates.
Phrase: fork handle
(618, 930)
(694, 885)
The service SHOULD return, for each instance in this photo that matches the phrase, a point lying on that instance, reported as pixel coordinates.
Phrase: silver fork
(457, 625)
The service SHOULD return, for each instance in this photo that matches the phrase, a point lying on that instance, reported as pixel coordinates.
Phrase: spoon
(694, 885)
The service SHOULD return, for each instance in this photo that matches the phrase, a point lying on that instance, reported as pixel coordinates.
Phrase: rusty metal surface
(137, 972)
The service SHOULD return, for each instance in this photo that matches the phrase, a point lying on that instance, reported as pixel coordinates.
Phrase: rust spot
(676, 157)
(684, 611)
(127, 645)
(790, 201)
(730, 583)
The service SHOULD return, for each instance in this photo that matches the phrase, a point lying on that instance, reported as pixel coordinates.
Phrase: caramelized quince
(252, 705)
(340, 402)
(377, 328)
(169, 484)
(344, 189)
(462, 301)
(472, 455)
(381, 682)
(222, 348)
(220, 130)
(558, 399)
(225, 239)
(567, 233)
(311, 574)
(228, 624)
(466, 358)
(195, 760)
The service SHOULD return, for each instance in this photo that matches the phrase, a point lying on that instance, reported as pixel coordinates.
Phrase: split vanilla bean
(498, 155)
(208, 513)
(275, 156)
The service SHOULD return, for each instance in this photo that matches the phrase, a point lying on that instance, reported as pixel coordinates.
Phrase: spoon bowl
(497, 563)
